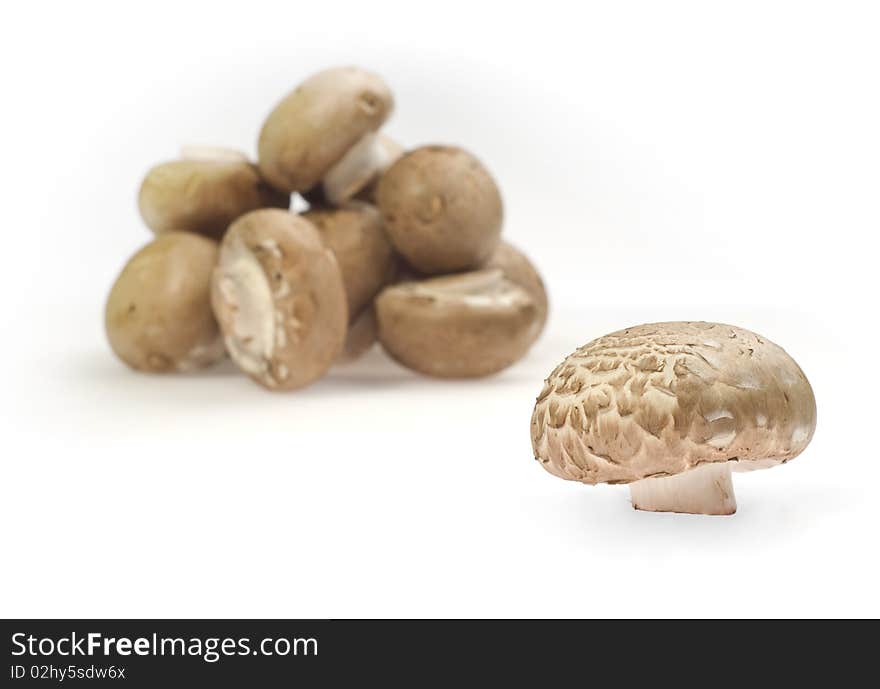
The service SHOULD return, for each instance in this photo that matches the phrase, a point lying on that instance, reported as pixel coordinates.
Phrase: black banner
(323, 652)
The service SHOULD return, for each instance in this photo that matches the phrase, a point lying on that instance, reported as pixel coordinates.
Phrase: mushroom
(519, 270)
(457, 326)
(158, 315)
(204, 192)
(324, 131)
(442, 209)
(279, 298)
(357, 238)
(671, 408)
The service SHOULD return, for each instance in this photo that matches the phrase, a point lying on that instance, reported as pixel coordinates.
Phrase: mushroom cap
(517, 268)
(457, 326)
(442, 209)
(158, 316)
(357, 238)
(203, 195)
(314, 126)
(659, 399)
(279, 298)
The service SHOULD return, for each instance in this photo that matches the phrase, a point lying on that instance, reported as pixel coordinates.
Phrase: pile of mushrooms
(400, 247)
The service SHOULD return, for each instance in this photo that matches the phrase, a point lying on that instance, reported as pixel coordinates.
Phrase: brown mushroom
(279, 298)
(457, 326)
(158, 315)
(204, 192)
(442, 209)
(324, 131)
(517, 268)
(357, 238)
(671, 408)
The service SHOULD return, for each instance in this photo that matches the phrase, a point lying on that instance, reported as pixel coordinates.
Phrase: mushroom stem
(363, 161)
(707, 489)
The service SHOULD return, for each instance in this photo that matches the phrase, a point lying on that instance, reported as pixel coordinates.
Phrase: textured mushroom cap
(317, 123)
(517, 268)
(658, 399)
(442, 209)
(279, 298)
(457, 326)
(203, 196)
(158, 316)
(357, 238)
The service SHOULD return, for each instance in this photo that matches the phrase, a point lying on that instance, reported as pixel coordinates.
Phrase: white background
(660, 161)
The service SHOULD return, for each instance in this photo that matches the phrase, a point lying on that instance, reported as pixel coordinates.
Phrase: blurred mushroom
(158, 315)
(204, 192)
(324, 131)
(279, 298)
(671, 408)
(442, 209)
(457, 326)
(357, 238)
(517, 268)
